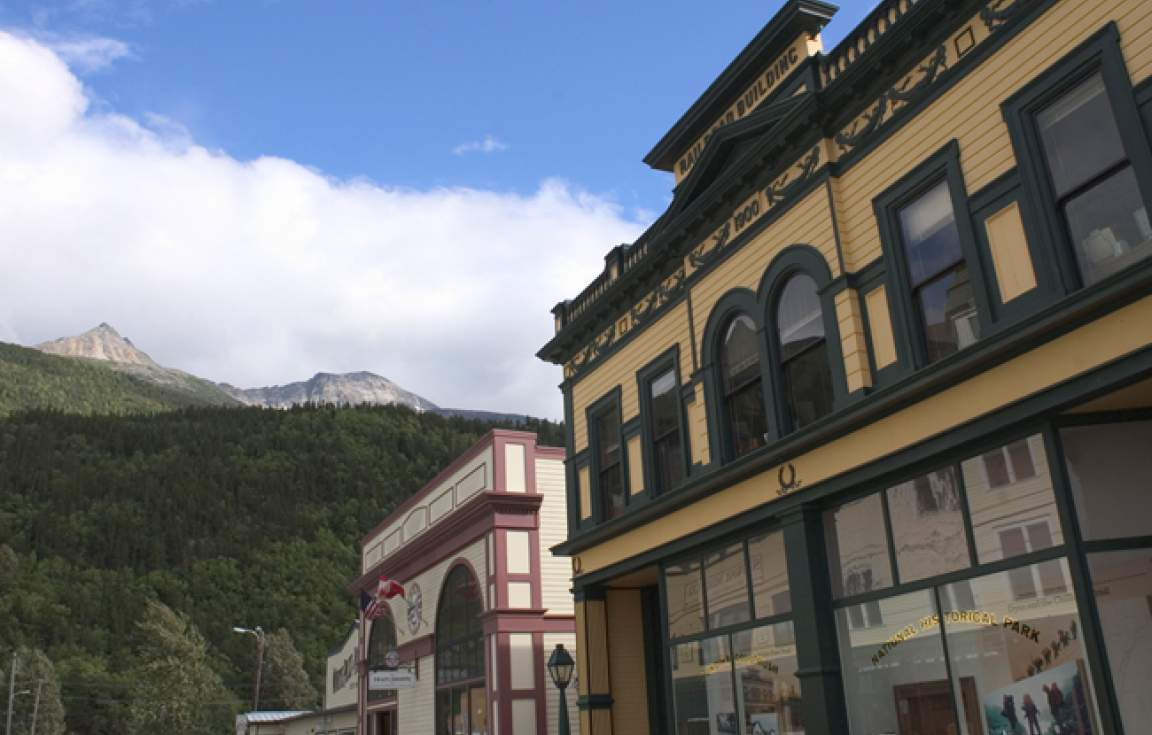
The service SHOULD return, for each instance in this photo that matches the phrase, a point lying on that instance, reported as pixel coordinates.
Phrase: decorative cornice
(796, 17)
(442, 476)
(650, 274)
(445, 537)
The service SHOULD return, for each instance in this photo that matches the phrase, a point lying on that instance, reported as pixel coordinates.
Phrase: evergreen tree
(37, 703)
(228, 516)
(175, 690)
(285, 683)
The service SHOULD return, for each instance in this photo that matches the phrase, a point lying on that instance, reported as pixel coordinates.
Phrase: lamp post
(560, 666)
(258, 633)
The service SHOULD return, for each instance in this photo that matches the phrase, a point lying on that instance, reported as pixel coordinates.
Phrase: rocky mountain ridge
(103, 344)
(335, 388)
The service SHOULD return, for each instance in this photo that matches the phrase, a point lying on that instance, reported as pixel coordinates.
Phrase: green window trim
(606, 408)
(1100, 54)
(669, 360)
(912, 347)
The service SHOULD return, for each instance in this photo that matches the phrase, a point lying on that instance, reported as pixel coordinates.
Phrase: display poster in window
(765, 724)
(1052, 702)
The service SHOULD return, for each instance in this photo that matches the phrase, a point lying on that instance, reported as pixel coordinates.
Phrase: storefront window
(928, 526)
(743, 680)
(702, 687)
(858, 547)
(1108, 469)
(1018, 665)
(895, 677)
(1122, 582)
(726, 584)
(769, 567)
(766, 672)
(1011, 502)
(460, 697)
(682, 586)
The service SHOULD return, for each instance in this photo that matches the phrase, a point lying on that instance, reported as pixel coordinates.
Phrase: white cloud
(487, 144)
(265, 271)
(84, 54)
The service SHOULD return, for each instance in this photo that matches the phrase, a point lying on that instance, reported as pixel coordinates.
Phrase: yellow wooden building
(860, 429)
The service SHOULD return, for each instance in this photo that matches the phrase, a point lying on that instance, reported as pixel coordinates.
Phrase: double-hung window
(804, 368)
(664, 429)
(1085, 159)
(609, 464)
(741, 384)
(938, 278)
(1092, 178)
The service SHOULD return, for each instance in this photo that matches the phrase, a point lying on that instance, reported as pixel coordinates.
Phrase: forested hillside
(230, 516)
(30, 379)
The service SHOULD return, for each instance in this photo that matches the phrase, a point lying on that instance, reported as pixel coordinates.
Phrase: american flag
(375, 606)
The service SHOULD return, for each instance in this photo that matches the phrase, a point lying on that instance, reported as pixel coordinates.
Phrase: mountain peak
(102, 342)
(335, 388)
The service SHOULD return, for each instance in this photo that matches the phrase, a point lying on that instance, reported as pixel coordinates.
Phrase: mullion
(935, 276)
(1097, 652)
(1092, 182)
(804, 351)
(947, 656)
(732, 629)
(889, 538)
(966, 511)
(1001, 565)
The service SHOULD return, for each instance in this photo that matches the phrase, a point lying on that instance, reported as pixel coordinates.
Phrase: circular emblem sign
(392, 658)
(415, 608)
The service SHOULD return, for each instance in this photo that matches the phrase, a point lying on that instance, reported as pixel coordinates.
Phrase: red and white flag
(386, 589)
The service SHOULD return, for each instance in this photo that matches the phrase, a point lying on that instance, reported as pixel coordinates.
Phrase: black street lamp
(560, 666)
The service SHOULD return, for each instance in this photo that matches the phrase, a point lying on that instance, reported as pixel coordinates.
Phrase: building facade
(338, 715)
(859, 428)
(485, 601)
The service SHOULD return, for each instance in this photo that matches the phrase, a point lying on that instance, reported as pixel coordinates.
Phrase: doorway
(384, 723)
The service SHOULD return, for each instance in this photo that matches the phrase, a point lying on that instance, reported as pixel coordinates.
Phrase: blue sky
(388, 90)
(257, 190)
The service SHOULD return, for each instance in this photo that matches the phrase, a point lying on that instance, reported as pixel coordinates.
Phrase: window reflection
(683, 586)
(1108, 468)
(1011, 501)
(803, 351)
(766, 670)
(769, 567)
(1095, 185)
(928, 525)
(1122, 582)
(895, 676)
(1019, 665)
(726, 583)
(858, 547)
(702, 687)
(939, 281)
(740, 382)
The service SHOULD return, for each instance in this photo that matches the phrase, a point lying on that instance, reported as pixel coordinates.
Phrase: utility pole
(36, 706)
(259, 666)
(11, 693)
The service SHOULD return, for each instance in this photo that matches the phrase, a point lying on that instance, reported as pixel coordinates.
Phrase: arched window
(461, 700)
(807, 377)
(381, 640)
(740, 384)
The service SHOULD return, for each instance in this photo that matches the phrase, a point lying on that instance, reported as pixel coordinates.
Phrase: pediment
(730, 144)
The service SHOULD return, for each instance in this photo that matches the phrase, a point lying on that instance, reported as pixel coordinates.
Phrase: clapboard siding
(808, 222)
(555, 571)
(970, 113)
(620, 368)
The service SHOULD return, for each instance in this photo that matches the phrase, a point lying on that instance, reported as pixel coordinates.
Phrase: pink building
(485, 601)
